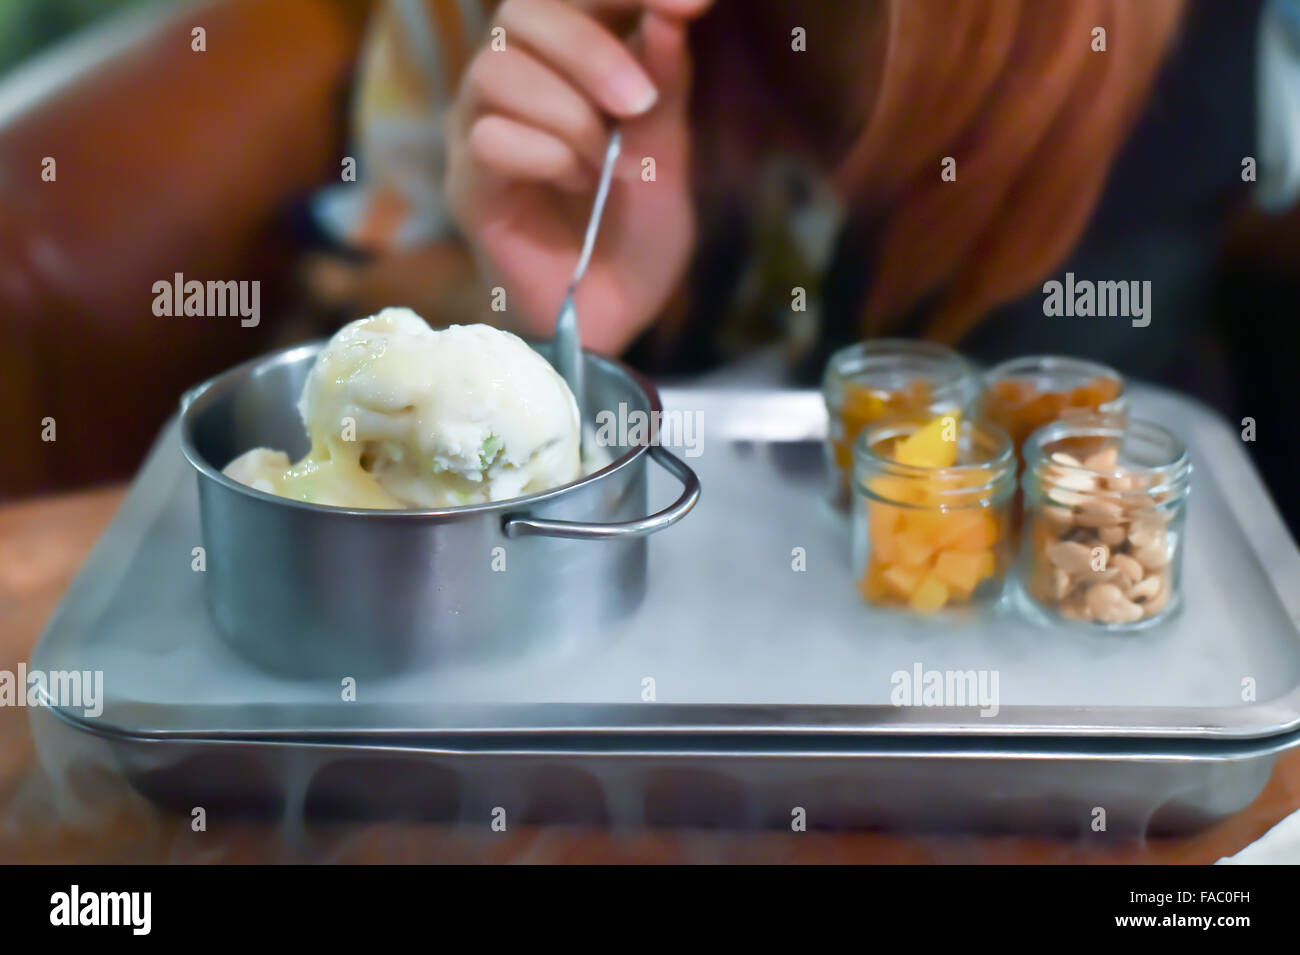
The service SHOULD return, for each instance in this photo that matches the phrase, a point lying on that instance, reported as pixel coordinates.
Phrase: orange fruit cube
(915, 546)
(929, 596)
(962, 571)
(973, 529)
(931, 446)
(902, 581)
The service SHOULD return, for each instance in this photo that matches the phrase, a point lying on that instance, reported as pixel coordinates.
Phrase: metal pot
(308, 590)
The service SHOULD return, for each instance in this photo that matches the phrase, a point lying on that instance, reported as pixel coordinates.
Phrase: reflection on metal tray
(771, 684)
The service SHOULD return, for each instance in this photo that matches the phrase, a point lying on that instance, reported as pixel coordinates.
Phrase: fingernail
(632, 93)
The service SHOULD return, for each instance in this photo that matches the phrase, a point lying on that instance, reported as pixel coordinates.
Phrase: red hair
(1012, 90)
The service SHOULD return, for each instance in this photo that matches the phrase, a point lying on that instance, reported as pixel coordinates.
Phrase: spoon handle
(568, 342)
(597, 208)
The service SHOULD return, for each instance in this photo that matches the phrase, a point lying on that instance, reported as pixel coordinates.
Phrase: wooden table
(44, 541)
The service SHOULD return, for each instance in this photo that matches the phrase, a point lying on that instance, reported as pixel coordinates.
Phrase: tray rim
(1254, 510)
(777, 746)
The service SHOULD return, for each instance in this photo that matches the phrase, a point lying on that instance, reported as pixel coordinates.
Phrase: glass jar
(887, 377)
(1104, 531)
(930, 521)
(1022, 395)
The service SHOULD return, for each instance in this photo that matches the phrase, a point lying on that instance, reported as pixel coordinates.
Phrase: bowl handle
(576, 530)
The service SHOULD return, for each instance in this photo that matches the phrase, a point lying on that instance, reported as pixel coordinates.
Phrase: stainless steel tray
(1036, 784)
(734, 638)
(765, 677)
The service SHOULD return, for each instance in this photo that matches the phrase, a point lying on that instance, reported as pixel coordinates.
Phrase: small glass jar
(888, 377)
(930, 526)
(1105, 508)
(1022, 395)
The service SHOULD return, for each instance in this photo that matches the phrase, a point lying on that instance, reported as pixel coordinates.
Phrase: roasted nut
(1103, 460)
(1076, 608)
(1061, 583)
(1075, 480)
(1137, 482)
(1129, 571)
(1099, 512)
(1154, 605)
(1101, 551)
(1154, 555)
(1144, 589)
(1071, 556)
(1144, 531)
(1107, 604)
(1113, 536)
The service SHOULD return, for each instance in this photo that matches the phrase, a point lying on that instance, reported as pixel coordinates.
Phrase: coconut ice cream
(402, 416)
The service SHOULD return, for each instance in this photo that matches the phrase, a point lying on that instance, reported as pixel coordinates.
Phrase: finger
(583, 51)
(662, 132)
(517, 85)
(680, 9)
(664, 54)
(622, 16)
(516, 151)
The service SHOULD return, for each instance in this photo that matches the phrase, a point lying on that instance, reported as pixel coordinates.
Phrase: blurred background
(29, 26)
(226, 165)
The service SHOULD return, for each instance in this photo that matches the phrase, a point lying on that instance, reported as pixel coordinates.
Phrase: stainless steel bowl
(310, 591)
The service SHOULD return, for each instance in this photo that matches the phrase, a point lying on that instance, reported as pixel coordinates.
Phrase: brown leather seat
(168, 160)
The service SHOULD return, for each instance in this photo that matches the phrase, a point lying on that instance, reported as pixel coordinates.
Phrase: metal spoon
(567, 355)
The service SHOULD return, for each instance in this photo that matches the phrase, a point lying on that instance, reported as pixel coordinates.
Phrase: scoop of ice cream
(400, 415)
(259, 468)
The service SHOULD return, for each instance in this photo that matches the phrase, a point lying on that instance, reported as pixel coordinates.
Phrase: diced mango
(915, 546)
(929, 596)
(962, 571)
(932, 548)
(900, 489)
(969, 530)
(931, 523)
(871, 585)
(931, 446)
(882, 520)
(902, 581)
(863, 406)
